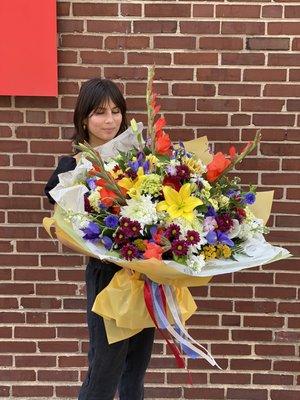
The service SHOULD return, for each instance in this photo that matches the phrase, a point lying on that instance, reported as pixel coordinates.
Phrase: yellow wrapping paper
(122, 306)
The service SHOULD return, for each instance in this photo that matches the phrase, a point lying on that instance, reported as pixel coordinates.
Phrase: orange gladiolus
(163, 143)
(218, 164)
(107, 197)
(153, 250)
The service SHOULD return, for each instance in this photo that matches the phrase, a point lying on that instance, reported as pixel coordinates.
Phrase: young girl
(99, 116)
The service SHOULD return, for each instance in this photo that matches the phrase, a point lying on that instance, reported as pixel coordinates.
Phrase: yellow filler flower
(179, 204)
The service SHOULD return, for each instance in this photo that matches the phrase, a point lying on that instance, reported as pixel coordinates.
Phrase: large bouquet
(168, 212)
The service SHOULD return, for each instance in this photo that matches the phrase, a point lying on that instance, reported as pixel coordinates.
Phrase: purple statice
(111, 221)
(209, 224)
(192, 237)
(92, 232)
(107, 241)
(249, 198)
(171, 170)
(214, 237)
(91, 182)
(129, 251)
(224, 222)
(179, 247)
(183, 172)
(211, 212)
(172, 232)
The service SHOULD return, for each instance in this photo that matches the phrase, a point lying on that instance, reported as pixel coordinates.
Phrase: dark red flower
(179, 247)
(120, 236)
(224, 222)
(240, 214)
(129, 251)
(172, 232)
(172, 181)
(183, 172)
(192, 237)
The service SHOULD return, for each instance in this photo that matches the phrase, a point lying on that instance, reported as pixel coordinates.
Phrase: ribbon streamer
(154, 303)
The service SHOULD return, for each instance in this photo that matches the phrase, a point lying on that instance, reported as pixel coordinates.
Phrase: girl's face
(103, 123)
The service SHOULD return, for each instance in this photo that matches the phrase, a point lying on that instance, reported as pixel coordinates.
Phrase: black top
(65, 164)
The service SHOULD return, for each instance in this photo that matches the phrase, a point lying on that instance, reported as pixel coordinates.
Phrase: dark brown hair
(95, 93)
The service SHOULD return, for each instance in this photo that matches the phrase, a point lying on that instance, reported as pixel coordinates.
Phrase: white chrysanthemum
(195, 263)
(140, 209)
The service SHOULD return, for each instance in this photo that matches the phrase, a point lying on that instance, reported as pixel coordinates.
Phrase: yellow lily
(133, 185)
(179, 204)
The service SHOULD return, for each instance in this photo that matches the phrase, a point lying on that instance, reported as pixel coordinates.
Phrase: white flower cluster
(141, 209)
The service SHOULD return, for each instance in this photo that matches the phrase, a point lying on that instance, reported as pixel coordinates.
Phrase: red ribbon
(149, 304)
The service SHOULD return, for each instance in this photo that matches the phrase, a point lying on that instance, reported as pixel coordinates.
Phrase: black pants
(121, 365)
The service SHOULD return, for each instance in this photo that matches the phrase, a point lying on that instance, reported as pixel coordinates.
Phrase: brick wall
(224, 69)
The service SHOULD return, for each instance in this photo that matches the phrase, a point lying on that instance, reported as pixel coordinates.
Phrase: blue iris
(217, 236)
(249, 198)
(111, 221)
(92, 232)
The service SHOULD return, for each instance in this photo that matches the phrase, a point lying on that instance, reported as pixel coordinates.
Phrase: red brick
(262, 105)
(160, 26)
(247, 394)
(81, 41)
(286, 336)
(36, 116)
(284, 59)
(149, 58)
(287, 394)
(264, 43)
(17, 347)
(93, 9)
(248, 28)
(17, 375)
(32, 391)
(283, 28)
(218, 74)
(203, 393)
(274, 350)
(217, 104)
(292, 11)
(40, 302)
(193, 89)
(203, 10)
(220, 43)
(11, 116)
(199, 27)
(56, 376)
(167, 10)
(206, 119)
(243, 59)
(273, 90)
(174, 42)
(272, 11)
(196, 58)
(230, 378)
(69, 25)
(236, 11)
(57, 346)
(242, 89)
(131, 9)
(263, 322)
(17, 146)
(273, 120)
(36, 332)
(110, 26)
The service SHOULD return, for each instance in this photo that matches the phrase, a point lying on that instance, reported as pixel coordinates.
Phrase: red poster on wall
(28, 54)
